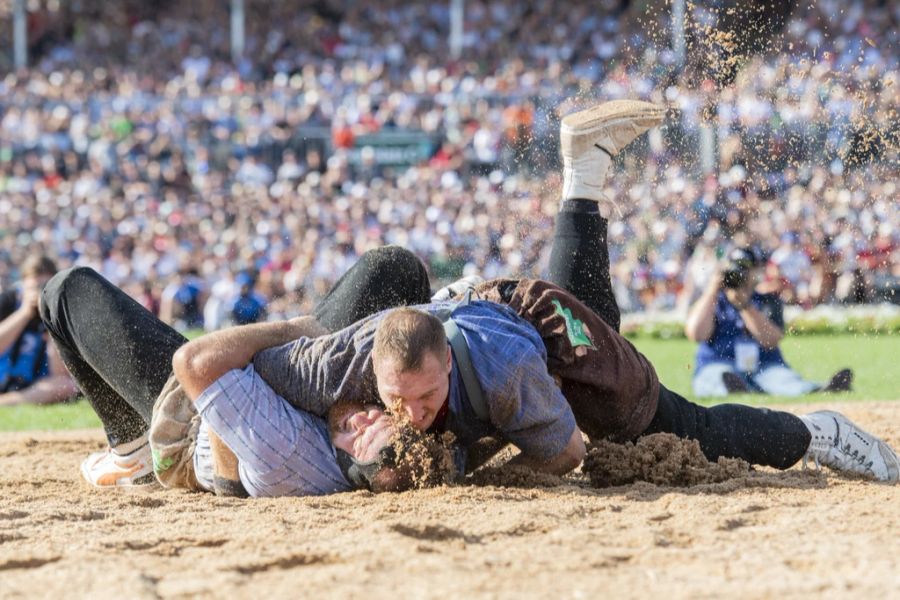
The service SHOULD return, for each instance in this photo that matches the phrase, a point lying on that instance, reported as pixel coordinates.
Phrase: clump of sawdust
(659, 458)
(424, 460)
(513, 476)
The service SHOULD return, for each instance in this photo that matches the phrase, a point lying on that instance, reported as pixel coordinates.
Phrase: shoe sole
(146, 480)
(610, 113)
(140, 481)
(842, 381)
(887, 453)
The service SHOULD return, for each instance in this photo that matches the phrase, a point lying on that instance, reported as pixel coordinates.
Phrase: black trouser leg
(382, 278)
(757, 435)
(118, 352)
(579, 260)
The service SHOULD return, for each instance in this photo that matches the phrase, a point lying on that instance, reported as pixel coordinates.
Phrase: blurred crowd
(137, 146)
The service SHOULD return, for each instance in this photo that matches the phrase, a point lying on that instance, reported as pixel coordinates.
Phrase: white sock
(585, 176)
(127, 448)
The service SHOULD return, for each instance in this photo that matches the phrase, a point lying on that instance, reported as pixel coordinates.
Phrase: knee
(60, 287)
(394, 261)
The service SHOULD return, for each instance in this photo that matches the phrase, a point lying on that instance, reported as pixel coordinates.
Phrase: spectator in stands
(31, 371)
(248, 305)
(132, 135)
(181, 305)
(739, 324)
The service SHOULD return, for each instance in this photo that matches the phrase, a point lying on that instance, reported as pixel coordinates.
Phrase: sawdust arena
(757, 534)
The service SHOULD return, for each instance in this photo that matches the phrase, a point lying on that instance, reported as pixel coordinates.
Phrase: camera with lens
(737, 268)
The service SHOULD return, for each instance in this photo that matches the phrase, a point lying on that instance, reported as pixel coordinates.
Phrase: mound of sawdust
(424, 460)
(661, 459)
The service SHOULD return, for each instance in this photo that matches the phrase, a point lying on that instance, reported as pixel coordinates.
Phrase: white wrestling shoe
(110, 469)
(838, 443)
(590, 138)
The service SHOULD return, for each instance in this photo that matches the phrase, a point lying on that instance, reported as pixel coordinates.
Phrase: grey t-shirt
(315, 373)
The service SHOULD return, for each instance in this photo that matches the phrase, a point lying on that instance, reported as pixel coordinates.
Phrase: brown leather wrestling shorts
(611, 387)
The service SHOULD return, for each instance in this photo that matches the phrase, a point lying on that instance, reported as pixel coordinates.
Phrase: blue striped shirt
(510, 361)
(281, 451)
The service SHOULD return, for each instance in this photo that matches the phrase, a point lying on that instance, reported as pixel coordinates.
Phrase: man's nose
(361, 420)
(416, 415)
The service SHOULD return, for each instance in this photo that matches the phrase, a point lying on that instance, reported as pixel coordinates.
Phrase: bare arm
(764, 331)
(202, 361)
(47, 390)
(701, 321)
(560, 464)
(225, 463)
(166, 308)
(199, 363)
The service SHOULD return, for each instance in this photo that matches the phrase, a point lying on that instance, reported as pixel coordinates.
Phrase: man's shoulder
(343, 344)
(489, 310)
(497, 329)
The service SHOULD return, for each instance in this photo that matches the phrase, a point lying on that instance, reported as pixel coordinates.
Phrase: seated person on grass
(739, 323)
(31, 371)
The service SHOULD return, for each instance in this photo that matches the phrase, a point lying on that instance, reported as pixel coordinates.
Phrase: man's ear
(449, 359)
(376, 363)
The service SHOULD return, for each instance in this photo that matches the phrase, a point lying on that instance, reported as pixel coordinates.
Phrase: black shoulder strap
(464, 361)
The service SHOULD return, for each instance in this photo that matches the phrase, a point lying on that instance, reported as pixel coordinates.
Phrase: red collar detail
(440, 420)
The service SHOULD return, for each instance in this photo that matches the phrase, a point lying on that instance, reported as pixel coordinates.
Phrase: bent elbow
(694, 334)
(774, 341)
(187, 362)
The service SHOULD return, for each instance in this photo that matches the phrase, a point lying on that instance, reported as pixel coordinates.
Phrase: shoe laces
(837, 455)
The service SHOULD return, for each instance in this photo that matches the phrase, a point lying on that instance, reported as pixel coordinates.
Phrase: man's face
(753, 278)
(35, 282)
(360, 430)
(420, 393)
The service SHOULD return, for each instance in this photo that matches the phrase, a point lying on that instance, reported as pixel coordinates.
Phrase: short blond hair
(405, 335)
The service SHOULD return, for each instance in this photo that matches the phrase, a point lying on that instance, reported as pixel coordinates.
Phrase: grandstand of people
(449, 298)
(135, 142)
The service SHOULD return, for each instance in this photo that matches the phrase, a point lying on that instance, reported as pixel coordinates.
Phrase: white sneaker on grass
(839, 444)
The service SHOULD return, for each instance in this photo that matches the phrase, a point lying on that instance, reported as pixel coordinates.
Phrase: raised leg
(382, 278)
(118, 352)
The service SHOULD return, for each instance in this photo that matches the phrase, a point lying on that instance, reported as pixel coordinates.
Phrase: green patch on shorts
(161, 464)
(574, 327)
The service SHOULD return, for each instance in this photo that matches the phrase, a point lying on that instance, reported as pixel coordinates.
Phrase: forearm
(554, 466)
(13, 326)
(225, 463)
(764, 331)
(560, 464)
(701, 317)
(200, 362)
(295, 370)
(48, 390)
(165, 310)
